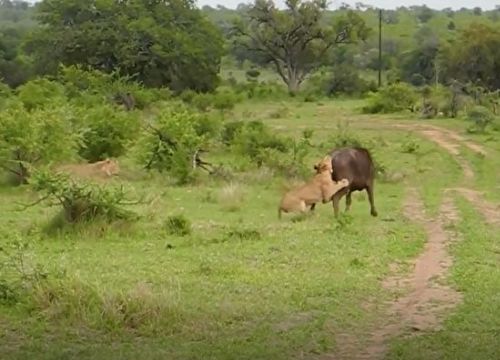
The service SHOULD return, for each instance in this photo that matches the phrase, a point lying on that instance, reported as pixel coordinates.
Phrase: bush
(344, 137)
(88, 86)
(39, 92)
(187, 96)
(481, 117)
(106, 132)
(253, 137)
(230, 130)
(392, 98)
(346, 80)
(292, 162)
(19, 270)
(35, 138)
(224, 100)
(202, 102)
(81, 201)
(178, 225)
(171, 142)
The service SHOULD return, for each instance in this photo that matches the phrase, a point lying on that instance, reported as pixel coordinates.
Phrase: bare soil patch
(489, 211)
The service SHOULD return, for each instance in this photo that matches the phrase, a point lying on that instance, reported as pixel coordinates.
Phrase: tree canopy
(160, 43)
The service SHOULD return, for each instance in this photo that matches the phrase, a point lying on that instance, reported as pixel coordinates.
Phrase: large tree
(474, 57)
(295, 40)
(160, 42)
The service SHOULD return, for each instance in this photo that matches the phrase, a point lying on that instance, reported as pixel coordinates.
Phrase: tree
(294, 40)
(477, 59)
(157, 42)
(424, 14)
(419, 65)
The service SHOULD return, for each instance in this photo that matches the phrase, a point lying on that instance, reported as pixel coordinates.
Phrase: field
(419, 282)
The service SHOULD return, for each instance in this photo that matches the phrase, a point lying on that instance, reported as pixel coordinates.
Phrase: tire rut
(426, 299)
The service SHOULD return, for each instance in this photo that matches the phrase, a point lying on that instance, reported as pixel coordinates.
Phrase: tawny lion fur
(100, 169)
(320, 188)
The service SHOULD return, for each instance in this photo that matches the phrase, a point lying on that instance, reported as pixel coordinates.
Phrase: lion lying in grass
(100, 169)
(320, 188)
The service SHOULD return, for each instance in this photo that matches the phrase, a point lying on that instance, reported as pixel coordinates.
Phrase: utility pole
(380, 48)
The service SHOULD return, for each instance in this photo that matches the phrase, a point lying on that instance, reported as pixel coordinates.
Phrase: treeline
(174, 44)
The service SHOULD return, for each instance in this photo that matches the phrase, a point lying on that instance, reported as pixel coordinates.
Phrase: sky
(385, 4)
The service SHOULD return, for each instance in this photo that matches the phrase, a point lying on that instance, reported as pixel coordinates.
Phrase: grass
(242, 284)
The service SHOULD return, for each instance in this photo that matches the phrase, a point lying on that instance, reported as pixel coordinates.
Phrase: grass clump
(178, 225)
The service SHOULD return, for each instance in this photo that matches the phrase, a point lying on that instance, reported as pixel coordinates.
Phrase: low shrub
(392, 98)
(250, 139)
(346, 80)
(171, 142)
(81, 201)
(20, 272)
(480, 117)
(106, 132)
(39, 92)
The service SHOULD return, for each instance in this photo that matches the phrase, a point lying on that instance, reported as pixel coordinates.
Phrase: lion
(320, 188)
(101, 169)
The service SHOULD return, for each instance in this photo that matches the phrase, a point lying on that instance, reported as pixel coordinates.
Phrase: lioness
(320, 188)
(100, 169)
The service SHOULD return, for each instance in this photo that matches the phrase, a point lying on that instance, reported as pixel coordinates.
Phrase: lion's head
(108, 166)
(325, 165)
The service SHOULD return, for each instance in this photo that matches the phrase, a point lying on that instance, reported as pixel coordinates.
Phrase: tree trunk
(293, 84)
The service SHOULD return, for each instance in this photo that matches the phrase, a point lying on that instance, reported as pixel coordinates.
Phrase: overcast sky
(386, 4)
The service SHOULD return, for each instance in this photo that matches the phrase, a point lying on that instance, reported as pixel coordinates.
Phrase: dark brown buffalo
(356, 165)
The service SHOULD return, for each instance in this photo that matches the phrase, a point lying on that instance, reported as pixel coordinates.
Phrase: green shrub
(346, 80)
(170, 143)
(187, 96)
(19, 270)
(343, 137)
(81, 201)
(202, 102)
(35, 138)
(230, 130)
(224, 101)
(40, 92)
(253, 137)
(106, 132)
(87, 87)
(480, 117)
(392, 98)
(178, 225)
(292, 162)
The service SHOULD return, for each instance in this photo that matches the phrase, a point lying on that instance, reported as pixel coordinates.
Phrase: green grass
(243, 284)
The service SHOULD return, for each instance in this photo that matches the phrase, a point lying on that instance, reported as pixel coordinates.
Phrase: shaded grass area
(473, 330)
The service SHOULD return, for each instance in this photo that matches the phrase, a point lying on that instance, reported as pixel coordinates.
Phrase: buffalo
(356, 165)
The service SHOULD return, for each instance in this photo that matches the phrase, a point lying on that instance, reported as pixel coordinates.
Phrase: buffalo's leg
(369, 190)
(336, 200)
(348, 201)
